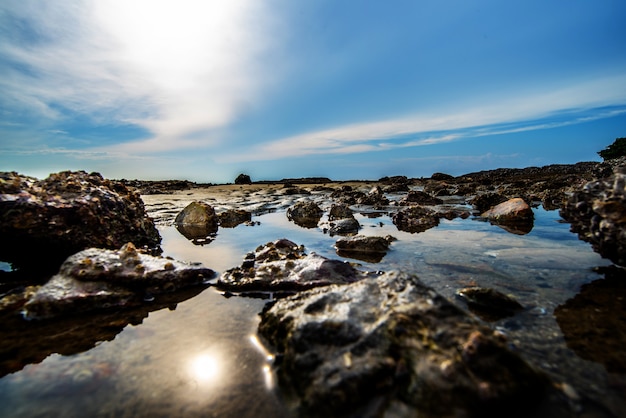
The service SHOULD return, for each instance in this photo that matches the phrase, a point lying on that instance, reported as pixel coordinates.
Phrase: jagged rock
(65, 213)
(197, 221)
(376, 197)
(284, 266)
(346, 226)
(233, 217)
(415, 219)
(305, 214)
(512, 211)
(489, 304)
(393, 344)
(365, 248)
(416, 197)
(96, 279)
(597, 213)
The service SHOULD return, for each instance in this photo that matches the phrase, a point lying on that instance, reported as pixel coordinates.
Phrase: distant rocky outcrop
(243, 179)
(67, 212)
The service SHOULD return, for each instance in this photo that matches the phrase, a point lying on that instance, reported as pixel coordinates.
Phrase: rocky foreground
(350, 343)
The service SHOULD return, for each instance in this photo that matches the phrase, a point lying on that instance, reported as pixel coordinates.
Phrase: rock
(514, 213)
(395, 184)
(346, 226)
(597, 213)
(340, 211)
(391, 343)
(441, 177)
(197, 221)
(375, 197)
(305, 214)
(489, 304)
(243, 179)
(284, 266)
(486, 201)
(96, 279)
(65, 213)
(415, 197)
(233, 217)
(415, 219)
(370, 249)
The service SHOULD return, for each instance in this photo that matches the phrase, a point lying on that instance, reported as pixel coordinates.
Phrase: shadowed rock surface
(597, 213)
(305, 214)
(390, 345)
(489, 304)
(65, 213)
(366, 248)
(197, 221)
(415, 219)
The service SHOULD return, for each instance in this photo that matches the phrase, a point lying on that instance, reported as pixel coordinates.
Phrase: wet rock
(416, 197)
(284, 266)
(594, 321)
(415, 219)
(340, 211)
(511, 211)
(365, 248)
(381, 345)
(305, 214)
(489, 304)
(346, 226)
(197, 221)
(97, 279)
(233, 217)
(65, 213)
(376, 197)
(486, 201)
(597, 213)
(395, 184)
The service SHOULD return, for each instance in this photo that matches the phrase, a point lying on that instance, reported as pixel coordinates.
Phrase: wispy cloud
(173, 68)
(596, 99)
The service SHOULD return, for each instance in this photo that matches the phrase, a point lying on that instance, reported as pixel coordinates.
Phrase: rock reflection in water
(594, 321)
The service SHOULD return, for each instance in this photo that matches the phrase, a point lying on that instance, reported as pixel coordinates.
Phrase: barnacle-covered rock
(389, 344)
(96, 279)
(65, 213)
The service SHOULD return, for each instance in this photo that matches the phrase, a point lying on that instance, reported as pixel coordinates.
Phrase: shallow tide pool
(201, 357)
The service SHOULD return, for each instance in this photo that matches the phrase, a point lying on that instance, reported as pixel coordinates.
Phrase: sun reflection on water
(205, 368)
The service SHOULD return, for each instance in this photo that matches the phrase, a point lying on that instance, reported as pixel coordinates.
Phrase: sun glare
(205, 368)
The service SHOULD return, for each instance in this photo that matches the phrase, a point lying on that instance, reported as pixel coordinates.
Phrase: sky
(204, 90)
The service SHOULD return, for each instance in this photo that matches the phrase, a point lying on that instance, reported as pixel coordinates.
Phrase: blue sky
(205, 90)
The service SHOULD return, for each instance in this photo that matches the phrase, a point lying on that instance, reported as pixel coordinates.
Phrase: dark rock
(441, 176)
(197, 221)
(305, 214)
(381, 345)
(593, 322)
(284, 266)
(486, 201)
(395, 184)
(489, 304)
(340, 211)
(291, 190)
(597, 213)
(416, 197)
(376, 197)
(233, 217)
(97, 279)
(65, 213)
(365, 248)
(243, 179)
(415, 219)
(345, 226)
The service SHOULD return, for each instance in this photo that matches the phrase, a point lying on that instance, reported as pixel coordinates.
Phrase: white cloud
(174, 68)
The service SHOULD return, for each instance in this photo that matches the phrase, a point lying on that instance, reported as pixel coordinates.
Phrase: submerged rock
(67, 212)
(370, 249)
(597, 213)
(391, 344)
(96, 279)
(284, 266)
(489, 304)
(305, 214)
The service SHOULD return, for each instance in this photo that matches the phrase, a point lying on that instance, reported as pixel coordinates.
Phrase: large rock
(415, 219)
(96, 279)
(197, 221)
(282, 265)
(597, 213)
(389, 346)
(233, 217)
(305, 214)
(67, 212)
(514, 215)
